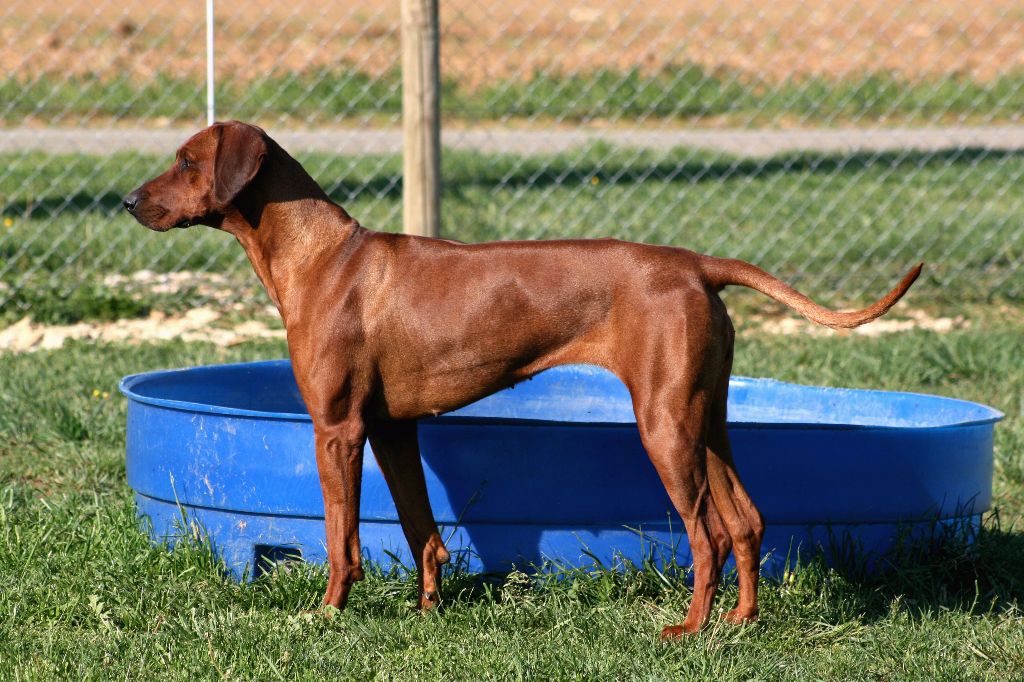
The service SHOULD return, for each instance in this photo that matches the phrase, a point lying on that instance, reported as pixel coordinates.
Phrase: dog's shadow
(958, 568)
(976, 571)
(958, 565)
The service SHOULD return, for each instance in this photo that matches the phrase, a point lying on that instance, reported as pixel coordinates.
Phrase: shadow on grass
(616, 166)
(975, 571)
(619, 167)
(957, 568)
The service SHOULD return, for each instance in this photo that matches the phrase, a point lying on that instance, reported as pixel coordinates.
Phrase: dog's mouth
(161, 224)
(161, 219)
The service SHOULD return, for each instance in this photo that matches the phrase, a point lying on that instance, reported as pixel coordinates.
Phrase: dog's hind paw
(737, 617)
(674, 632)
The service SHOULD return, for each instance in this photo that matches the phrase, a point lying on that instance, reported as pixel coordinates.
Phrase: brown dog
(386, 328)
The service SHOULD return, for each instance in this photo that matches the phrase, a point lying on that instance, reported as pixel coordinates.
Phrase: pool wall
(231, 449)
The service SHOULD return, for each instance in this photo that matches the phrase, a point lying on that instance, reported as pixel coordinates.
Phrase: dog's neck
(286, 222)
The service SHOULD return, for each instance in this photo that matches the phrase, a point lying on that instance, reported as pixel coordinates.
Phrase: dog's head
(208, 173)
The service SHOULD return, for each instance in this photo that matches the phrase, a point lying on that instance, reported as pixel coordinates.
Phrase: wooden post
(421, 118)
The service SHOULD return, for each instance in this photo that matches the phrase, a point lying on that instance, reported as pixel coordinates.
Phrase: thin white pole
(210, 101)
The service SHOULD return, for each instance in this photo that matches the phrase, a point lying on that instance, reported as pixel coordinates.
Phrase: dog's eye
(185, 165)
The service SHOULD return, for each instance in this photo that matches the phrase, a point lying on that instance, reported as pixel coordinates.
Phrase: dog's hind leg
(741, 517)
(676, 448)
(671, 412)
(672, 375)
(396, 446)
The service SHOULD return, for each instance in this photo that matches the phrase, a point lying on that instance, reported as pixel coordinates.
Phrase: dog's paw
(429, 600)
(673, 632)
(737, 617)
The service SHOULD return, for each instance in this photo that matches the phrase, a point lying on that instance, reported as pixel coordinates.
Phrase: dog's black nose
(131, 201)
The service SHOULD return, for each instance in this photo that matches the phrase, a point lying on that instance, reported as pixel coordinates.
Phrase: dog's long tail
(721, 272)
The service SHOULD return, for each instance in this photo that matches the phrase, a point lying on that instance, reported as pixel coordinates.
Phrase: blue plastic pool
(552, 469)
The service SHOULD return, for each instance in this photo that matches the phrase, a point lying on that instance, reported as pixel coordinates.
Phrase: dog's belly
(420, 391)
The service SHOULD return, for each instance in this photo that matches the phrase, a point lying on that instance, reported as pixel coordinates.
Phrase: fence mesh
(833, 143)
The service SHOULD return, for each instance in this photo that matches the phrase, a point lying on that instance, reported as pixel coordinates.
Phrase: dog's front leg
(339, 459)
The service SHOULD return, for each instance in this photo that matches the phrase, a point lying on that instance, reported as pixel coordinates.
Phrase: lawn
(86, 597)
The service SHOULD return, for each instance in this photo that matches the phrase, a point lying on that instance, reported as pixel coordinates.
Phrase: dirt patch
(494, 40)
(210, 286)
(220, 310)
(198, 324)
(915, 319)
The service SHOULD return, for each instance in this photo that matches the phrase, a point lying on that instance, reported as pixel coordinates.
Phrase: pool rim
(127, 383)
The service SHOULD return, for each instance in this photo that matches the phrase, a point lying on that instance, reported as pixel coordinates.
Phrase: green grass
(86, 597)
(51, 304)
(842, 226)
(687, 92)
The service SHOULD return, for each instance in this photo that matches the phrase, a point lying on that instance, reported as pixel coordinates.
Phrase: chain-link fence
(833, 143)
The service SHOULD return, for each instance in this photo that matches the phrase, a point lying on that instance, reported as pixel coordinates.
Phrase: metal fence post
(210, 101)
(421, 118)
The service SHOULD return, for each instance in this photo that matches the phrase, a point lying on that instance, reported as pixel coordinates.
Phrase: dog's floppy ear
(240, 152)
